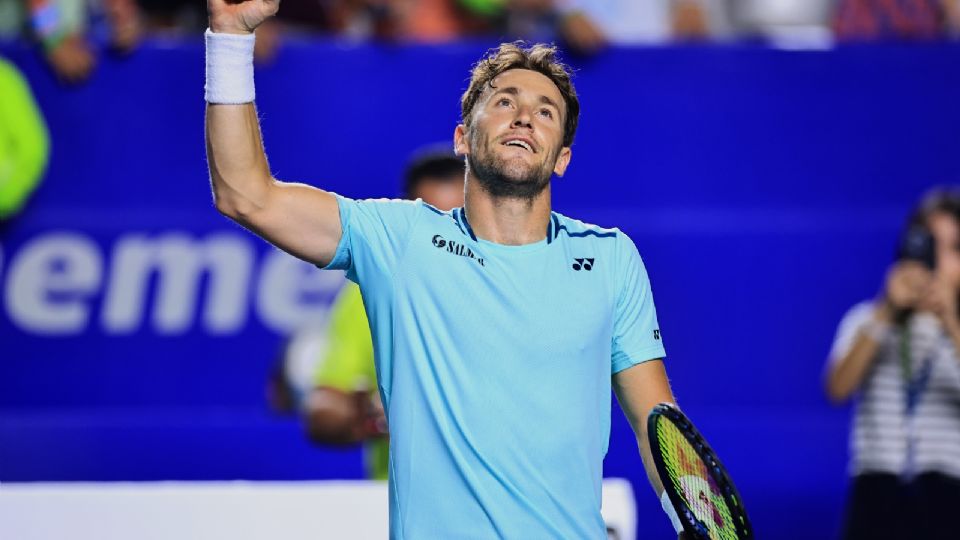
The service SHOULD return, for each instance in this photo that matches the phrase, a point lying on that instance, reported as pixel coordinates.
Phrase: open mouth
(520, 143)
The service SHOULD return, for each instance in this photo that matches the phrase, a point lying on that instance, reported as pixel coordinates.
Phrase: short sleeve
(347, 362)
(636, 333)
(851, 324)
(375, 234)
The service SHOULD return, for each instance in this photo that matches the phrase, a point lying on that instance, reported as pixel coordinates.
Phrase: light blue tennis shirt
(494, 366)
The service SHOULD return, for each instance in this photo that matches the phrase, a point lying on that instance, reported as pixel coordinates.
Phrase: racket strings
(692, 481)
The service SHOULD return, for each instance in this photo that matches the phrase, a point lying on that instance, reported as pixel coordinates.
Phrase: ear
(461, 144)
(563, 161)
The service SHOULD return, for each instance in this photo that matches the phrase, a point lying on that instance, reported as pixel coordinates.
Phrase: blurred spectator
(343, 406)
(860, 20)
(175, 16)
(433, 21)
(180, 18)
(789, 23)
(125, 23)
(899, 354)
(588, 25)
(24, 144)
(61, 26)
(532, 20)
(585, 25)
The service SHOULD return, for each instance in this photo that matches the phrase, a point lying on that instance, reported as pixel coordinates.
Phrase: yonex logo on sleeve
(585, 264)
(656, 335)
(456, 248)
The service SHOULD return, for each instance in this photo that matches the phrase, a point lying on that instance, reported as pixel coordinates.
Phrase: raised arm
(846, 373)
(905, 286)
(299, 219)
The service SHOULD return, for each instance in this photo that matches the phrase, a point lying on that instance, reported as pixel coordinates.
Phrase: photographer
(899, 355)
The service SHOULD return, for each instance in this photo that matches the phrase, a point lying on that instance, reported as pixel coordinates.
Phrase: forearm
(297, 218)
(639, 389)
(239, 173)
(649, 466)
(847, 373)
(333, 418)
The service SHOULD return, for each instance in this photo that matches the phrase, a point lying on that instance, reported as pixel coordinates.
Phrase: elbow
(229, 208)
(837, 393)
(233, 204)
(224, 206)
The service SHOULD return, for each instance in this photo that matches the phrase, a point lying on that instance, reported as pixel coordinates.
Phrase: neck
(507, 221)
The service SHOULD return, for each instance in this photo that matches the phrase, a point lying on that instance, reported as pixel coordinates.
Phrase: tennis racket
(702, 493)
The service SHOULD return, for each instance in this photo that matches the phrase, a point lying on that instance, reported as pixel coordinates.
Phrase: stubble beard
(505, 180)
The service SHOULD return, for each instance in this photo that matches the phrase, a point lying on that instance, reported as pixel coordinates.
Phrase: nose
(523, 118)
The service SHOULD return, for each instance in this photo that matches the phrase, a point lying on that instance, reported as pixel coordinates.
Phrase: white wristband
(229, 68)
(671, 512)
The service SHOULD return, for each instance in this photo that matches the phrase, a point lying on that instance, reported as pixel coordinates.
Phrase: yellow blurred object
(24, 141)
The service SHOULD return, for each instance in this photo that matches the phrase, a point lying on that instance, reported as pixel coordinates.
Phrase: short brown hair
(540, 58)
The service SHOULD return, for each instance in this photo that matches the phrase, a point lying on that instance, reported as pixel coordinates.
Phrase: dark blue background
(764, 188)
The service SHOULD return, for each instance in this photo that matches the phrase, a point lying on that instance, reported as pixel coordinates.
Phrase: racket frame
(691, 525)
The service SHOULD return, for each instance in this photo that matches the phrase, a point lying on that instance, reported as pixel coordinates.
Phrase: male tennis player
(497, 327)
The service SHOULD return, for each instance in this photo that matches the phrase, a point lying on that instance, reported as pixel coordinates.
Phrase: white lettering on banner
(285, 282)
(50, 281)
(179, 262)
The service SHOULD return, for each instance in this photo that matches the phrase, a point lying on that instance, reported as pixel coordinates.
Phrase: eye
(504, 102)
(546, 113)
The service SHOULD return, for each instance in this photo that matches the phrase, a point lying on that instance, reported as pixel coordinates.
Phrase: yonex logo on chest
(456, 248)
(583, 264)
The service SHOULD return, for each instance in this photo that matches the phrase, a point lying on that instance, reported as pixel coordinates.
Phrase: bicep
(299, 219)
(639, 389)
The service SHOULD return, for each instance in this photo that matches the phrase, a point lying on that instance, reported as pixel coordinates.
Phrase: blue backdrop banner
(764, 188)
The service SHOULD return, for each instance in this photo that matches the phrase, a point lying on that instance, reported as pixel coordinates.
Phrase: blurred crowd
(66, 30)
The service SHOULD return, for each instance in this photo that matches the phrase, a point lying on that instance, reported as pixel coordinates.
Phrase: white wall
(213, 510)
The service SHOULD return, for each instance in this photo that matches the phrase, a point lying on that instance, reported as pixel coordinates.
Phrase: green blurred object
(24, 141)
(484, 7)
(348, 365)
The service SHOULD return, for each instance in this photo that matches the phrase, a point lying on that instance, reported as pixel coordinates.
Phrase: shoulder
(387, 211)
(381, 204)
(612, 241)
(616, 249)
(574, 228)
(853, 320)
(407, 207)
(858, 314)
